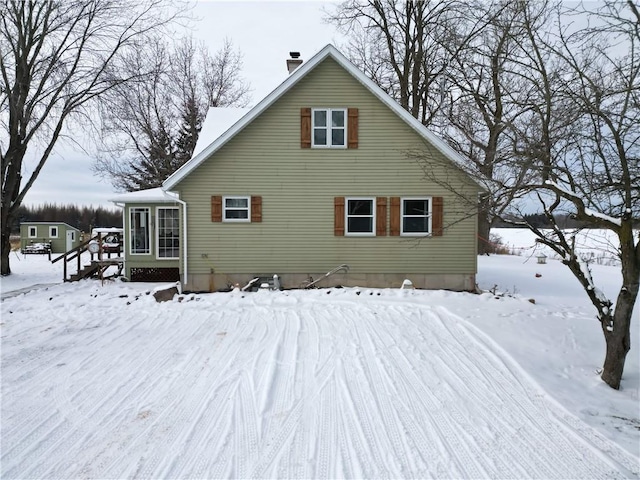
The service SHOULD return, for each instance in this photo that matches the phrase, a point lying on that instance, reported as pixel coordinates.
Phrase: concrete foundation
(217, 281)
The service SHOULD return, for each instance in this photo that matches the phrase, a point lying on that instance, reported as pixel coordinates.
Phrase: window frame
(73, 235)
(236, 197)
(373, 232)
(328, 128)
(157, 229)
(52, 229)
(35, 232)
(429, 216)
(131, 235)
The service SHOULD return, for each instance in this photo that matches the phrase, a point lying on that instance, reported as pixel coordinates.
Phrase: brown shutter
(437, 216)
(305, 128)
(395, 217)
(352, 128)
(381, 216)
(216, 208)
(256, 209)
(338, 216)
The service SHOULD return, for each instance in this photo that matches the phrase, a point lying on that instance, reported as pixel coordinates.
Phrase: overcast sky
(264, 31)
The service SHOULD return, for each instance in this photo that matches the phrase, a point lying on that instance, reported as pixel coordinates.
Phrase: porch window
(168, 232)
(139, 231)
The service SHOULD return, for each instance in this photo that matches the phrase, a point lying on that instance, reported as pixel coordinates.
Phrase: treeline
(83, 218)
(540, 220)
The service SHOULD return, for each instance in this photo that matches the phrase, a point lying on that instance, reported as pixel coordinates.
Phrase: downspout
(184, 229)
(124, 235)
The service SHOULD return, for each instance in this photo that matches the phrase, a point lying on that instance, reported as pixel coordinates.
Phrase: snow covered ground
(100, 381)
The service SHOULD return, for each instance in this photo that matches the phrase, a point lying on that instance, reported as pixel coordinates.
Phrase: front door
(70, 239)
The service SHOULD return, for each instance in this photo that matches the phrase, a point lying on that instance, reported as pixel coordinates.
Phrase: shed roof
(50, 223)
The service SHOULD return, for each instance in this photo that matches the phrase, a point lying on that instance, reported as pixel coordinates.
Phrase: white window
(33, 232)
(53, 232)
(73, 236)
(236, 209)
(329, 127)
(168, 232)
(416, 216)
(139, 230)
(360, 216)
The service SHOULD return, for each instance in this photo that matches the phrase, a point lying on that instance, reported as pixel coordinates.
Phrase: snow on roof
(286, 85)
(155, 195)
(218, 121)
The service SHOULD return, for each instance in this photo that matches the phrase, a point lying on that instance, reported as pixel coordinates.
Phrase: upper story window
(416, 216)
(329, 127)
(236, 209)
(139, 228)
(360, 216)
(33, 232)
(53, 232)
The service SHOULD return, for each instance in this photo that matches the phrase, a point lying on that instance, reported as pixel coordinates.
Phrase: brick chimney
(294, 62)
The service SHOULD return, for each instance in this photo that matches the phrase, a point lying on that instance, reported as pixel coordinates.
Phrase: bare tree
(151, 126)
(582, 144)
(403, 46)
(478, 107)
(57, 57)
(444, 62)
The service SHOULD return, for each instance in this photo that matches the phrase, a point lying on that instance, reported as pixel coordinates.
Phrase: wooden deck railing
(76, 254)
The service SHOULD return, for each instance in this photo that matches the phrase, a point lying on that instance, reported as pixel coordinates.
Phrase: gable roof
(327, 52)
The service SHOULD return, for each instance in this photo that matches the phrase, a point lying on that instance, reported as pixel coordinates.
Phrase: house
(316, 175)
(61, 236)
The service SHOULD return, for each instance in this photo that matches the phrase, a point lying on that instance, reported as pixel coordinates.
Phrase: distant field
(595, 245)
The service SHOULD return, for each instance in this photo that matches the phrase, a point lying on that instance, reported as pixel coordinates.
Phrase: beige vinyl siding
(298, 187)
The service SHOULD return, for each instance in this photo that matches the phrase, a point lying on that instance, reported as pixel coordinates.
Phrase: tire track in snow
(351, 358)
(410, 367)
(356, 417)
(507, 424)
(527, 398)
(383, 398)
(468, 334)
(163, 435)
(467, 352)
(277, 442)
(159, 405)
(92, 421)
(246, 421)
(456, 449)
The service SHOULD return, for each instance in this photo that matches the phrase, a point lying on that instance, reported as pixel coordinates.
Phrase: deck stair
(98, 266)
(85, 272)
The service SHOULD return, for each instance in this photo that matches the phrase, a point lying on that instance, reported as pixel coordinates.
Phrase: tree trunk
(5, 269)
(618, 343)
(619, 340)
